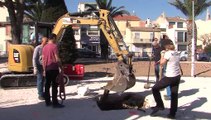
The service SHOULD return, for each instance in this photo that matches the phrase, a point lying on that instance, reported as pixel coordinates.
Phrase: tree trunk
(103, 46)
(190, 36)
(16, 18)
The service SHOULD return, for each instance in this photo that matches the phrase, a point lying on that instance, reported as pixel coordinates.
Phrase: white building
(4, 31)
(89, 36)
(204, 31)
(175, 29)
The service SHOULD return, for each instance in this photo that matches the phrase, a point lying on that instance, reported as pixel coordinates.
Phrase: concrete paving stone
(23, 104)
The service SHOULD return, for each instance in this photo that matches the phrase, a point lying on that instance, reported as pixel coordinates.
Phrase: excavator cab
(20, 68)
(20, 58)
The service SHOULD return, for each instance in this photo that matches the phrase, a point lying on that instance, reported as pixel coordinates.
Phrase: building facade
(203, 32)
(5, 34)
(175, 28)
(88, 36)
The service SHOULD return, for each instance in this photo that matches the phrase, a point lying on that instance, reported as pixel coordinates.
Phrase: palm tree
(114, 11)
(34, 9)
(185, 6)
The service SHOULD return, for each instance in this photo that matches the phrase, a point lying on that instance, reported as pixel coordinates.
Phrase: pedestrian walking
(37, 66)
(51, 66)
(171, 78)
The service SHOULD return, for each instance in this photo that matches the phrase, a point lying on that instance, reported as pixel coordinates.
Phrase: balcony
(141, 41)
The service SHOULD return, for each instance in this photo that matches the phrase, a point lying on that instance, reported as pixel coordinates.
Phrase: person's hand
(35, 71)
(44, 73)
(162, 52)
(158, 62)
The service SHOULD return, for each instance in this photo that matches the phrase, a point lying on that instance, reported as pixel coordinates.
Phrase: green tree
(114, 11)
(16, 11)
(67, 47)
(34, 9)
(208, 48)
(185, 6)
(53, 10)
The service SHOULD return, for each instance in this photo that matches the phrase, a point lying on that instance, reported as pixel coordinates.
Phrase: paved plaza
(23, 104)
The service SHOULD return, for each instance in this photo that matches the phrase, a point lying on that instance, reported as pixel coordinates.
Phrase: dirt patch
(202, 69)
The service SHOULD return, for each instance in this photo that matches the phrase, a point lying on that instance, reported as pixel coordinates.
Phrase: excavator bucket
(123, 79)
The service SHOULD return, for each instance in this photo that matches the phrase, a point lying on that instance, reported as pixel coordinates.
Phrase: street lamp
(193, 43)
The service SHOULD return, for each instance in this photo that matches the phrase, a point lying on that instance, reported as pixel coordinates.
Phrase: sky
(142, 8)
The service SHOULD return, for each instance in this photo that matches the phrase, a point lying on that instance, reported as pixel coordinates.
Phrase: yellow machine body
(20, 58)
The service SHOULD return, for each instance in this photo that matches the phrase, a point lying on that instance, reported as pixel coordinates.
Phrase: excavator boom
(124, 77)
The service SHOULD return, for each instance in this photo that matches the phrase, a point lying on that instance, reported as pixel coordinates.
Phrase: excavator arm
(124, 77)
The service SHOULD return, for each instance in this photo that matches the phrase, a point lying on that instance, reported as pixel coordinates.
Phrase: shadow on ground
(189, 92)
(87, 109)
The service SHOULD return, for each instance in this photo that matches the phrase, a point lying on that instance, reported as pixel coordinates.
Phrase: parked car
(183, 55)
(203, 57)
(86, 53)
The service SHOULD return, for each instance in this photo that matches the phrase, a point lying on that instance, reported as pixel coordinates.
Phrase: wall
(3, 18)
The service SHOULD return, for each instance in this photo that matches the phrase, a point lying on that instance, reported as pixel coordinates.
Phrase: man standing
(38, 69)
(51, 66)
(156, 55)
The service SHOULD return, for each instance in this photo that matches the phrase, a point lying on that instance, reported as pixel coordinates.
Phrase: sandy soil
(202, 69)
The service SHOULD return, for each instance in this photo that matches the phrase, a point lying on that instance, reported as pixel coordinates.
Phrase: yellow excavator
(20, 56)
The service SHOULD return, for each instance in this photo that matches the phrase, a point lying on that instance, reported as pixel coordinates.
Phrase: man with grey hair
(37, 65)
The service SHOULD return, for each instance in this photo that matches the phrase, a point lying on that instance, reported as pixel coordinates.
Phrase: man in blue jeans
(156, 56)
(38, 69)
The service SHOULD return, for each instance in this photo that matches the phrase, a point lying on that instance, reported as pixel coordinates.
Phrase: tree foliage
(53, 10)
(207, 49)
(206, 39)
(16, 11)
(185, 6)
(67, 47)
(34, 9)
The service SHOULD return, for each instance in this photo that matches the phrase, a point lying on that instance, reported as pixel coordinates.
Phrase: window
(171, 23)
(180, 25)
(93, 32)
(137, 35)
(182, 36)
(182, 47)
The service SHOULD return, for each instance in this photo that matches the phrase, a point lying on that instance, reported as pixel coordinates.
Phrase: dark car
(202, 57)
(86, 53)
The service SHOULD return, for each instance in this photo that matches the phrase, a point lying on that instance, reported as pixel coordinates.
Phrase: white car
(183, 55)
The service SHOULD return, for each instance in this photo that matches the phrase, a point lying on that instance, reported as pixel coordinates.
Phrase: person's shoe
(41, 98)
(155, 110)
(58, 105)
(171, 116)
(48, 104)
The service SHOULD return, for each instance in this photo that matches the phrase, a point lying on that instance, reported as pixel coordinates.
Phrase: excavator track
(17, 80)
